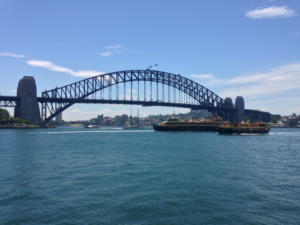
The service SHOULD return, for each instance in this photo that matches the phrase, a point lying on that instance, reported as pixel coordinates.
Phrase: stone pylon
(240, 109)
(27, 107)
(229, 109)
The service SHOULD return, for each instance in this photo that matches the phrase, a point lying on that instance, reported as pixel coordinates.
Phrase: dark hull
(186, 128)
(223, 130)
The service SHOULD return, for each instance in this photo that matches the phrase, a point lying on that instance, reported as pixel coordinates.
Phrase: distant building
(100, 117)
(199, 113)
(293, 122)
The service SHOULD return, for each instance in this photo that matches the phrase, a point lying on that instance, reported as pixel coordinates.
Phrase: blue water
(80, 176)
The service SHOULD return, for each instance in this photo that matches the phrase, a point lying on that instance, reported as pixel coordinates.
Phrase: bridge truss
(8, 101)
(140, 87)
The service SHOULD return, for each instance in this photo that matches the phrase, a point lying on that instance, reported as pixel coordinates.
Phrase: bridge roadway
(8, 101)
(11, 101)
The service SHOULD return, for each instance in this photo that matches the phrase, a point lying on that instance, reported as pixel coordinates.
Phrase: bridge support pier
(234, 112)
(228, 113)
(239, 114)
(27, 107)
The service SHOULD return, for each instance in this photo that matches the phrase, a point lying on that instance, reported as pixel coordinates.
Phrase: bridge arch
(57, 100)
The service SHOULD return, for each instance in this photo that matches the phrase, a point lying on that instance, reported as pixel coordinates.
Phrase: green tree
(4, 115)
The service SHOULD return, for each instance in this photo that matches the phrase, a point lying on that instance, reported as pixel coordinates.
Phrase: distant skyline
(249, 48)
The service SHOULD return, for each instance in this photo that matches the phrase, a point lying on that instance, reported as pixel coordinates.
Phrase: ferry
(244, 127)
(174, 124)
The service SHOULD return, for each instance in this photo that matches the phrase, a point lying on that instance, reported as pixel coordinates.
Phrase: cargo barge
(190, 125)
(244, 127)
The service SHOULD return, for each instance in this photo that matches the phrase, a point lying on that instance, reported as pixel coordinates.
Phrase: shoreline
(24, 127)
(20, 127)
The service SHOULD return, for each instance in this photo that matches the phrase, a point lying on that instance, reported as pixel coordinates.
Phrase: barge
(174, 124)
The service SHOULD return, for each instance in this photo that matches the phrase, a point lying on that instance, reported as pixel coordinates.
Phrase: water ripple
(78, 176)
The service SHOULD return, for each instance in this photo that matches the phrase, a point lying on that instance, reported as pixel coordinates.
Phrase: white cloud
(76, 111)
(13, 55)
(203, 76)
(129, 90)
(87, 73)
(274, 81)
(105, 53)
(275, 90)
(278, 80)
(207, 79)
(116, 46)
(281, 105)
(53, 67)
(271, 12)
(111, 49)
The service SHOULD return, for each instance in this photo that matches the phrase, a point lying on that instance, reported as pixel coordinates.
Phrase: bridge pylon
(27, 107)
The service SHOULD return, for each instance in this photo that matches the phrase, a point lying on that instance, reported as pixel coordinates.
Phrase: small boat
(91, 126)
(244, 127)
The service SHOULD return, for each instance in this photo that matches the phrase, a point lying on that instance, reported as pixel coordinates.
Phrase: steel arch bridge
(140, 87)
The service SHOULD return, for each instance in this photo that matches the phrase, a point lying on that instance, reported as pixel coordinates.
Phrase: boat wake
(94, 131)
(294, 134)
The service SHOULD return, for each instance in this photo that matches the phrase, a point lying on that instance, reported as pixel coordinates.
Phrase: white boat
(91, 126)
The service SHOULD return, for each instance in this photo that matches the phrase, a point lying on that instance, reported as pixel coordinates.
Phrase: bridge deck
(9, 98)
(8, 101)
(122, 102)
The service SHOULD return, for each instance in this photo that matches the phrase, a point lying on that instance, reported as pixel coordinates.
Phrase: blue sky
(249, 48)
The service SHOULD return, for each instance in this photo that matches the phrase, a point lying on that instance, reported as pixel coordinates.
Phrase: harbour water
(80, 176)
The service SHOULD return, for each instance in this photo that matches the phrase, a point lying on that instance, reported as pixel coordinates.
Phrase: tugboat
(174, 124)
(244, 127)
